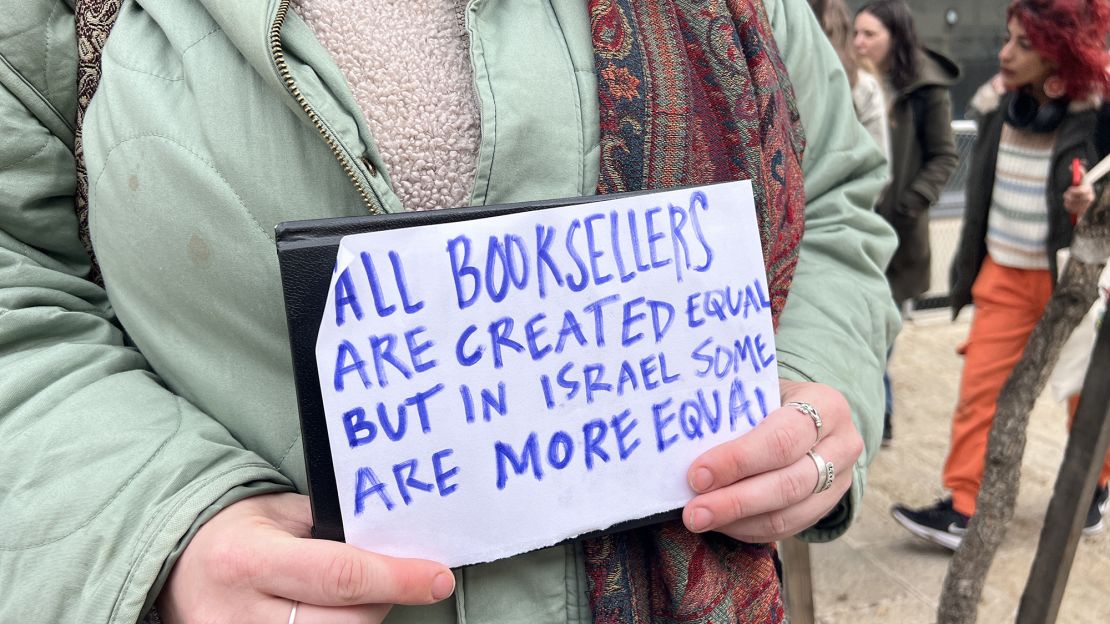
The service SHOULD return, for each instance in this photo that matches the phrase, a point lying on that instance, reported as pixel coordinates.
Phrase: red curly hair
(1071, 33)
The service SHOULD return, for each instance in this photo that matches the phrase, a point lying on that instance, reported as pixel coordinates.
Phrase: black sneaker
(940, 524)
(1098, 507)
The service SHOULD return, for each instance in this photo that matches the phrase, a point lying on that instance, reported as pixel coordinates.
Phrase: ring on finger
(810, 411)
(825, 472)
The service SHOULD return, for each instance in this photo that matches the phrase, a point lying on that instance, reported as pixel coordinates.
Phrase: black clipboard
(306, 257)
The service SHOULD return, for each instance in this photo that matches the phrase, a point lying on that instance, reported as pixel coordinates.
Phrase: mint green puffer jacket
(130, 415)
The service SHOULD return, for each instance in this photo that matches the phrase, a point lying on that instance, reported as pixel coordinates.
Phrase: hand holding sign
(251, 561)
(759, 487)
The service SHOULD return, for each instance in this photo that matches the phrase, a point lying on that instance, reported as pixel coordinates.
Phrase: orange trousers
(1008, 304)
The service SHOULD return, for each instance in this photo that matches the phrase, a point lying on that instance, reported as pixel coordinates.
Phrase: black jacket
(923, 156)
(1076, 139)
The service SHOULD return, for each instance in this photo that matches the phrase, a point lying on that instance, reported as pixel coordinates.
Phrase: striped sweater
(1017, 226)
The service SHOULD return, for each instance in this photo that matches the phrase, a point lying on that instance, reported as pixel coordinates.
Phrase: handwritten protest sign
(498, 385)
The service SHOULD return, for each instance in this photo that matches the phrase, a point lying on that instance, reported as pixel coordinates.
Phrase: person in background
(923, 150)
(1039, 115)
(867, 92)
(152, 456)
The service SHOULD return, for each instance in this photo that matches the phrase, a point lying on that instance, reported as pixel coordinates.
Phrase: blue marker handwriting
(603, 441)
(591, 444)
(726, 303)
(350, 297)
(593, 250)
(367, 483)
(594, 378)
(626, 339)
(542, 335)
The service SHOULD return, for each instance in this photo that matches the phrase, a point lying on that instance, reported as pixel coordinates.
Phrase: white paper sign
(498, 385)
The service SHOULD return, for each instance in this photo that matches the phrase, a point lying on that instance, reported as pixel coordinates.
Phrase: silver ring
(293, 613)
(825, 472)
(810, 411)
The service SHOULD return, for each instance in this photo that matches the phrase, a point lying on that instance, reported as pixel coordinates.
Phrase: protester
(1038, 116)
(153, 455)
(867, 93)
(923, 151)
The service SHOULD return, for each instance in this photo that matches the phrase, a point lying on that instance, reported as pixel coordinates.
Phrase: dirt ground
(878, 572)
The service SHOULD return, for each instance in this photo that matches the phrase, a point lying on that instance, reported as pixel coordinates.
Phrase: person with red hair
(1040, 113)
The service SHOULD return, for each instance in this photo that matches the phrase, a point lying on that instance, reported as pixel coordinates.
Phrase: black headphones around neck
(1026, 113)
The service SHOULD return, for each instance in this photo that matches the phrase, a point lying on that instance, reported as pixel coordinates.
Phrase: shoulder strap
(94, 20)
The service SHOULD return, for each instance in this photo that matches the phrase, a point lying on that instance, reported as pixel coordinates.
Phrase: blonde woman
(867, 92)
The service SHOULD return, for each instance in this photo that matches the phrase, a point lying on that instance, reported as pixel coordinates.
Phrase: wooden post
(1075, 484)
(796, 580)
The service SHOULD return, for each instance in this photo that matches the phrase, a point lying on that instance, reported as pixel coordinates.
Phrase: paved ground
(879, 573)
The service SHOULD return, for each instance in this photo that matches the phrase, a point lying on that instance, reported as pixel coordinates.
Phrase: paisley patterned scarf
(691, 92)
(694, 92)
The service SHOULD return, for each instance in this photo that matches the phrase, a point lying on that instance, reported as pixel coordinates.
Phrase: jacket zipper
(278, 54)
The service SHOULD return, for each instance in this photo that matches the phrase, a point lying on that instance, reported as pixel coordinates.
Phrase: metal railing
(945, 219)
(952, 196)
